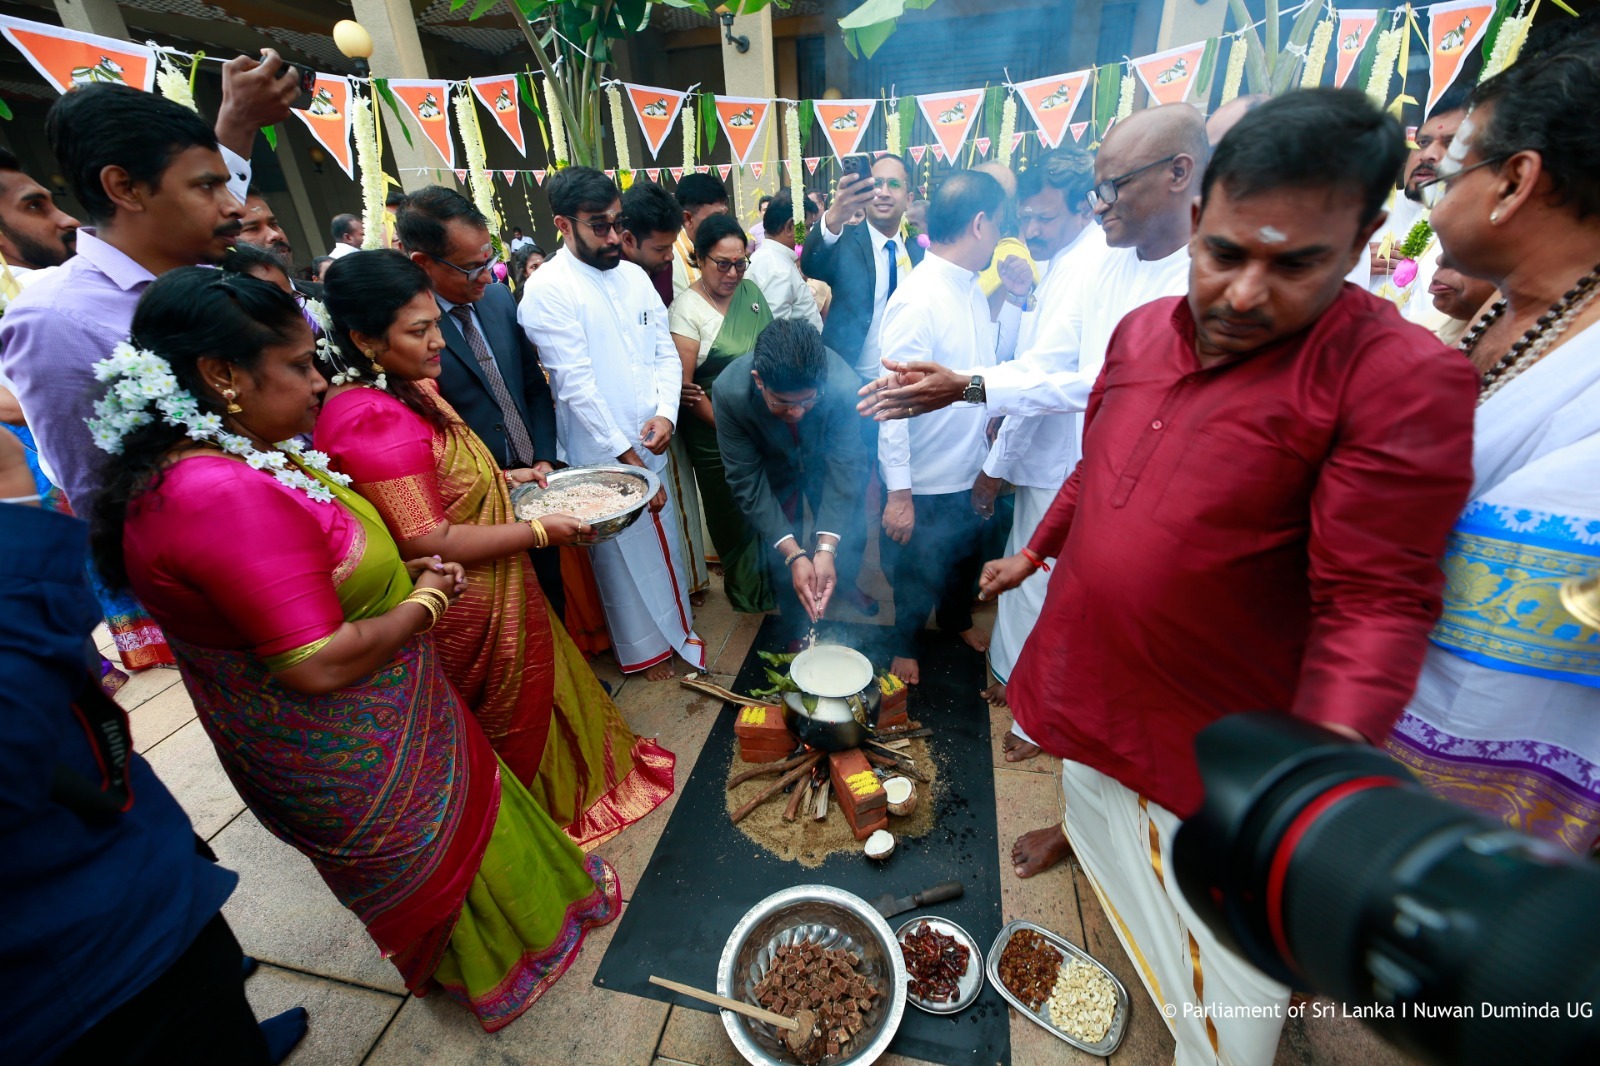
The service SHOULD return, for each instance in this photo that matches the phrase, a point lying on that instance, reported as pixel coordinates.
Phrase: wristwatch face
(974, 392)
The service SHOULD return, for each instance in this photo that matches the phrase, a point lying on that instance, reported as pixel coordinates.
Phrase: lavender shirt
(50, 339)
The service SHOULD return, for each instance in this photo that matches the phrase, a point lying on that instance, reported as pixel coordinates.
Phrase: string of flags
(68, 58)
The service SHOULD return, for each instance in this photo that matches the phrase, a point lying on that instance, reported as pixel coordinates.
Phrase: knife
(888, 906)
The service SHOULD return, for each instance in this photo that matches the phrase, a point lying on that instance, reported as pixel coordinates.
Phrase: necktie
(894, 265)
(516, 431)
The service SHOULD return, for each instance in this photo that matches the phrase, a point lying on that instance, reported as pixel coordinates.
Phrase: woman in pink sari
(300, 634)
(440, 492)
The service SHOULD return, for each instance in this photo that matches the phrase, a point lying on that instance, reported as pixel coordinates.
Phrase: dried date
(1029, 966)
(936, 962)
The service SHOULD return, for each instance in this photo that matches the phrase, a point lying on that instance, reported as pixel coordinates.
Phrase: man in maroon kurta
(1270, 468)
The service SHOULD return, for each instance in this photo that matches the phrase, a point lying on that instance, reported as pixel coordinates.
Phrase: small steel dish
(971, 982)
(1069, 950)
(832, 918)
(628, 479)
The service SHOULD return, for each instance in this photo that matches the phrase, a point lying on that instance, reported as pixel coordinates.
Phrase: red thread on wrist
(1034, 558)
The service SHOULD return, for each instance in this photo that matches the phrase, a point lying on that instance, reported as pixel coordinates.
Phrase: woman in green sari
(714, 321)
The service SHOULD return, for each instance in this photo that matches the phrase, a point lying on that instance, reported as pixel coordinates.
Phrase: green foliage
(381, 87)
(868, 26)
(1363, 72)
(1200, 91)
(1416, 241)
(1107, 88)
(1269, 69)
(1502, 10)
(708, 127)
(806, 113)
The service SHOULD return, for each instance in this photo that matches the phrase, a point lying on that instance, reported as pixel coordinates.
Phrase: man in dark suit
(786, 429)
(489, 372)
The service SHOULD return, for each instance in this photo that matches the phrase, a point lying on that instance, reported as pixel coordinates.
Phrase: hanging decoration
(812, 161)
(844, 123)
(1052, 102)
(1234, 78)
(1078, 129)
(742, 118)
(725, 170)
(656, 110)
(893, 130)
(1508, 42)
(328, 118)
(174, 84)
(66, 58)
(480, 181)
(499, 97)
(689, 138)
(982, 145)
(1125, 98)
(1355, 30)
(1317, 55)
(619, 132)
(369, 161)
(557, 124)
(951, 116)
(1453, 30)
(1167, 75)
(791, 143)
(427, 103)
(1383, 60)
(1008, 131)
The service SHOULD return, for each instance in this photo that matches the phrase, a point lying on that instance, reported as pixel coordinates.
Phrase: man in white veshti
(601, 331)
(1147, 175)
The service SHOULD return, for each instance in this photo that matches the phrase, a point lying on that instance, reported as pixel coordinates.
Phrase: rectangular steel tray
(1119, 1024)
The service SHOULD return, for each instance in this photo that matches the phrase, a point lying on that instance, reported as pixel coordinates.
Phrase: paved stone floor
(314, 952)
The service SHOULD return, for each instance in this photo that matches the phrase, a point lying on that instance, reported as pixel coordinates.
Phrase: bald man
(1223, 119)
(1147, 176)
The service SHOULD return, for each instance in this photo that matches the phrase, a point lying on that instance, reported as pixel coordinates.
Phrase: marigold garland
(1317, 55)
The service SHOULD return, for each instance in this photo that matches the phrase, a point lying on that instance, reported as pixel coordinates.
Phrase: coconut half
(880, 845)
(902, 795)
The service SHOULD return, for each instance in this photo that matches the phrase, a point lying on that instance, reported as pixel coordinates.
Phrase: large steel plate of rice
(609, 498)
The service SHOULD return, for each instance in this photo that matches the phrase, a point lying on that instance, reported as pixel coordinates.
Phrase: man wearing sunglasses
(602, 332)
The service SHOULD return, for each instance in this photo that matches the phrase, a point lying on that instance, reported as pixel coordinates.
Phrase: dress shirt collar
(450, 307)
(111, 261)
(880, 239)
(1344, 307)
(1071, 246)
(956, 272)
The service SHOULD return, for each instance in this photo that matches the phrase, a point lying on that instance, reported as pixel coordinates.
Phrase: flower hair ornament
(143, 389)
(329, 353)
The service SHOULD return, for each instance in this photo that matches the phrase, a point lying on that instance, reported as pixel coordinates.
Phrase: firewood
(800, 797)
(769, 768)
(898, 745)
(891, 759)
(822, 799)
(890, 735)
(773, 789)
(909, 727)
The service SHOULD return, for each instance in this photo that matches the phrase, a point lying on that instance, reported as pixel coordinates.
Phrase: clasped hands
(814, 579)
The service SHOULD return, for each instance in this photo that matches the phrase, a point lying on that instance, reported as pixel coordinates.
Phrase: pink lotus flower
(1405, 272)
(923, 242)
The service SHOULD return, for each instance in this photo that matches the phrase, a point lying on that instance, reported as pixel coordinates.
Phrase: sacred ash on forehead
(1269, 235)
(1459, 148)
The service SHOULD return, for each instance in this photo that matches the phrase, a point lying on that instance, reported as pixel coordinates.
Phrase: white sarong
(1019, 608)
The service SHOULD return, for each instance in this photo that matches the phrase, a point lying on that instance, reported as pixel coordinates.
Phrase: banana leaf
(994, 99)
(806, 112)
(708, 125)
(868, 26)
(1200, 91)
(908, 120)
(1290, 62)
(1502, 11)
(1107, 89)
(1369, 53)
(381, 87)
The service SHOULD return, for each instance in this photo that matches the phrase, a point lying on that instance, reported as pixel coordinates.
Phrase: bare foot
(976, 639)
(1036, 852)
(1017, 749)
(906, 670)
(698, 599)
(995, 695)
(662, 671)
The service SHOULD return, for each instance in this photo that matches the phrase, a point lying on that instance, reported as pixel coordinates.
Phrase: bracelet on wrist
(541, 537)
(428, 604)
(831, 549)
(1036, 559)
(789, 559)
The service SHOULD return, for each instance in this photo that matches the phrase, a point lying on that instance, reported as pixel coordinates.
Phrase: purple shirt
(51, 337)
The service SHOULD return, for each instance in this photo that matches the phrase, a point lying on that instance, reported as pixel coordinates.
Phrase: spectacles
(603, 227)
(729, 266)
(472, 273)
(1106, 191)
(802, 405)
(1432, 191)
(894, 184)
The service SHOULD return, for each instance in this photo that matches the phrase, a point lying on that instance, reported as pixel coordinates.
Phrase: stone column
(754, 73)
(93, 16)
(1187, 21)
(313, 238)
(397, 53)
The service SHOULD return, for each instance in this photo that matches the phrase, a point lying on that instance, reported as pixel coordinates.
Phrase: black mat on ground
(705, 873)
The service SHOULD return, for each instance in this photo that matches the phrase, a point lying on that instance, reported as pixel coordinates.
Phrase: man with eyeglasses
(602, 332)
(786, 428)
(489, 372)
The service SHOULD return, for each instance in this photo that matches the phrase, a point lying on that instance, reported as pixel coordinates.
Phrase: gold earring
(233, 408)
(372, 356)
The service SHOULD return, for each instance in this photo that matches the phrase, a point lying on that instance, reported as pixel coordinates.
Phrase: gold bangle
(541, 539)
(427, 605)
(435, 595)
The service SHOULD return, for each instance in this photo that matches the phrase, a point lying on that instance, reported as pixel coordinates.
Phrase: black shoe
(248, 965)
(283, 1032)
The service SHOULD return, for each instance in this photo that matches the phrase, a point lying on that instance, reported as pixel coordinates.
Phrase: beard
(37, 255)
(601, 257)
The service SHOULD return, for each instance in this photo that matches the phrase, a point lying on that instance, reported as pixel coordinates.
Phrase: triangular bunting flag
(1051, 101)
(725, 169)
(1355, 29)
(1078, 129)
(742, 118)
(844, 122)
(610, 173)
(951, 115)
(461, 175)
(653, 173)
(328, 119)
(1453, 31)
(656, 110)
(811, 162)
(1168, 75)
(67, 58)
(757, 169)
(917, 152)
(510, 176)
(499, 95)
(428, 103)
(938, 152)
(1016, 140)
(880, 153)
(676, 172)
(538, 177)
(983, 147)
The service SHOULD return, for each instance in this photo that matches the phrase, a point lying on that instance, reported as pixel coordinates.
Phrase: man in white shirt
(601, 331)
(776, 273)
(348, 234)
(1147, 175)
(518, 241)
(939, 315)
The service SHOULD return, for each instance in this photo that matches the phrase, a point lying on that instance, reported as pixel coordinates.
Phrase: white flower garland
(619, 131)
(1125, 98)
(140, 378)
(891, 117)
(1383, 61)
(479, 179)
(1008, 130)
(1508, 43)
(558, 126)
(369, 164)
(687, 111)
(1234, 78)
(791, 153)
(1317, 55)
(173, 83)
(329, 353)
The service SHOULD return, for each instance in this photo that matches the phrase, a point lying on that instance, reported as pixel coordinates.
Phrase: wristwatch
(974, 392)
(1028, 302)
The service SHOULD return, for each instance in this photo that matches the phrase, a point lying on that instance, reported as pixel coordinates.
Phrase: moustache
(1228, 315)
(229, 229)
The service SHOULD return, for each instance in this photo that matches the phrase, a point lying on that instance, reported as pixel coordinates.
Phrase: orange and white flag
(951, 115)
(1169, 75)
(742, 118)
(427, 102)
(1355, 30)
(1052, 101)
(499, 96)
(656, 110)
(67, 59)
(844, 122)
(328, 118)
(1453, 30)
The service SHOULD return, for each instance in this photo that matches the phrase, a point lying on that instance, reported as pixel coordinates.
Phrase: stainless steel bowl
(836, 720)
(629, 479)
(833, 918)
